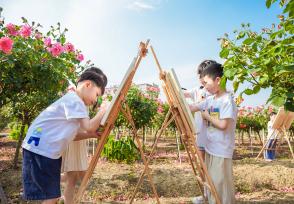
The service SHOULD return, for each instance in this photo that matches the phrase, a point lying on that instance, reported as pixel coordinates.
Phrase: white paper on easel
(182, 100)
(116, 96)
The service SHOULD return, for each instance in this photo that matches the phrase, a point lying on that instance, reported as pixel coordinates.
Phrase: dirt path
(255, 181)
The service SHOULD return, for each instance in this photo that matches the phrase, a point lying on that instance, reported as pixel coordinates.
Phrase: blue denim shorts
(41, 176)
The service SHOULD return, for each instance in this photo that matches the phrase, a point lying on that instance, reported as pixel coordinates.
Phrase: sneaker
(198, 200)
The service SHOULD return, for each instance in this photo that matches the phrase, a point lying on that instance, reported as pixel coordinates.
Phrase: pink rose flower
(38, 35)
(47, 42)
(159, 110)
(69, 47)
(25, 31)
(11, 29)
(80, 57)
(56, 49)
(6, 44)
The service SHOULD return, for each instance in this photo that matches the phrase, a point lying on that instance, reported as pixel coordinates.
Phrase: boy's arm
(200, 106)
(86, 135)
(91, 125)
(187, 94)
(221, 124)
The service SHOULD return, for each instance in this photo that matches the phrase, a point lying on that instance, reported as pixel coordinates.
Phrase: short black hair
(94, 77)
(213, 70)
(100, 72)
(203, 65)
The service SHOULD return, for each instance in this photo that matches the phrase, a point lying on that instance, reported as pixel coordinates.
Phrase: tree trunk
(19, 142)
(143, 138)
(260, 141)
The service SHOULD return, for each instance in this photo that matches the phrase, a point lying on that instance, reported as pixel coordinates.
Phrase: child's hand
(104, 106)
(205, 115)
(94, 134)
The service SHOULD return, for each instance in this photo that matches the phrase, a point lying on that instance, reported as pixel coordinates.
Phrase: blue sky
(183, 33)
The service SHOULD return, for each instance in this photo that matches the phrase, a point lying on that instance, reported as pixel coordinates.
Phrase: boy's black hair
(203, 65)
(94, 77)
(213, 70)
(100, 72)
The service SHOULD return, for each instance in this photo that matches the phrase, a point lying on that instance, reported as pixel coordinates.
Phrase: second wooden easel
(180, 113)
(281, 124)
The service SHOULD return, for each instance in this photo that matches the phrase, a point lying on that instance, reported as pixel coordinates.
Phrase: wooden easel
(281, 124)
(180, 113)
(117, 104)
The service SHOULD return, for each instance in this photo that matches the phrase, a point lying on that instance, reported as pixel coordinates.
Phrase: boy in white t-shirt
(220, 112)
(75, 157)
(52, 131)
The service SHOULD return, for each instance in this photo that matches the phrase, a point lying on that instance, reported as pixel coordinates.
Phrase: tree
(264, 59)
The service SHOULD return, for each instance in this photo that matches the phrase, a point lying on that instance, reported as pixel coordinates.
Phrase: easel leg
(127, 113)
(288, 141)
(91, 167)
(164, 126)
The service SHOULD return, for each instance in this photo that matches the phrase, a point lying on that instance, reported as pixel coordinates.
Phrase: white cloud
(140, 6)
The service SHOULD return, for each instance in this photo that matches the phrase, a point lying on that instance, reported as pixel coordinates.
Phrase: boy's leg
(50, 201)
(221, 173)
(271, 151)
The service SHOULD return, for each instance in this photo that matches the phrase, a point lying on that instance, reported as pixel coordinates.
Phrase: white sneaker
(198, 200)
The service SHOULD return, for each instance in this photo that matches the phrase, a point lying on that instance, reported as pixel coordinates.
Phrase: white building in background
(143, 87)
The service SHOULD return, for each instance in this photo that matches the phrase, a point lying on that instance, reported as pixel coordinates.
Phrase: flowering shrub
(255, 118)
(35, 62)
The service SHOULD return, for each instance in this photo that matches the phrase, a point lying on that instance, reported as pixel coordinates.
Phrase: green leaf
(230, 73)
(236, 85)
(268, 3)
(223, 82)
(256, 89)
(248, 91)
(248, 41)
(278, 101)
(241, 35)
(289, 68)
(224, 53)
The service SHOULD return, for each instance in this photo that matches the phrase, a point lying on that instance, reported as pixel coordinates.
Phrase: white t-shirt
(56, 126)
(271, 134)
(220, 143)
(198, 95)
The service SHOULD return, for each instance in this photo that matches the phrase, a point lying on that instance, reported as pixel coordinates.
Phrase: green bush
(15, 130)
(123, 150)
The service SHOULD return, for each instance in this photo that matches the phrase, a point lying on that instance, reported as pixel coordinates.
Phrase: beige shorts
(221, 172)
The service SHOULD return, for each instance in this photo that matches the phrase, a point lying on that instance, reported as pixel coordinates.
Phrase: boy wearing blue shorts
(51, 132)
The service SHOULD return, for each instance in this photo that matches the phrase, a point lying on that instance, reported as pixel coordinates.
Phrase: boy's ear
(88, 83)
(218, 80)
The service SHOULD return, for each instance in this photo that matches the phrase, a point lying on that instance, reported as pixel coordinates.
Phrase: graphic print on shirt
(214, 113)
(35, 136)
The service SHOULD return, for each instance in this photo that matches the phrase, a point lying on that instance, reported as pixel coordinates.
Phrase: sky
(182, 32)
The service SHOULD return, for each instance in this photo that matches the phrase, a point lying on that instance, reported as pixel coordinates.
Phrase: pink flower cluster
(25, 31)
(6, 45)
(57, 49)
(153, 89)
